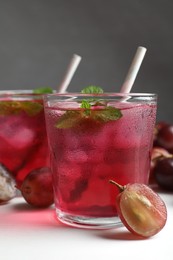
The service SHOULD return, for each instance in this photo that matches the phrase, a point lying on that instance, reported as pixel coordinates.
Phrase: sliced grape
(141, 210)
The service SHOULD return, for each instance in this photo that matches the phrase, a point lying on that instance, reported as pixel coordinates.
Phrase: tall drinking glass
(94, 139)
(23, 139)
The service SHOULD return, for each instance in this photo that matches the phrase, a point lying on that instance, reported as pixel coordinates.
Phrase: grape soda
(23, 140)
(86, 154)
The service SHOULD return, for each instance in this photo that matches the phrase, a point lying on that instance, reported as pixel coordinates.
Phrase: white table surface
(27, 233)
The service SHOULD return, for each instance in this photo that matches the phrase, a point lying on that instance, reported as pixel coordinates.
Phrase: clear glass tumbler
(23, 139)
(94, 139)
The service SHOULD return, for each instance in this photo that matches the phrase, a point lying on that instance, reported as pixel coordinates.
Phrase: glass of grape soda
(95, 137)
(23, 139)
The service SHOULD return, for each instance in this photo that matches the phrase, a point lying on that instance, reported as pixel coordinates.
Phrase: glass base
(88, 222)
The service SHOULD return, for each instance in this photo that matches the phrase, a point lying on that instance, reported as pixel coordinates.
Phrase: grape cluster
(162, 156)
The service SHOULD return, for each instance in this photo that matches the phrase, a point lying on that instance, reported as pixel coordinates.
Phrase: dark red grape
(161, 124)
(37, 188)
(140, 209)
(158, 127)
(158, 153)
(165, 137)
(163, 173)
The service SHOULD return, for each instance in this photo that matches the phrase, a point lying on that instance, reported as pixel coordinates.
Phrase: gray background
(38, 38)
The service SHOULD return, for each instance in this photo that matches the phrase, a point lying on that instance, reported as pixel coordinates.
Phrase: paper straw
(133, 70)
(69, 73)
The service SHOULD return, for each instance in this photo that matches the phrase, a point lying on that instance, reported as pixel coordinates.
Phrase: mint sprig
(16, 107)
(92, 90)
(43, 90)
(31, 108)
(69, 119)
(95, 109)
(86, 106)
(107, 114)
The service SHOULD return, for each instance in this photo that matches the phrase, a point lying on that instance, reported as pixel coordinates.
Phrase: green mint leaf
(16, 107)
(9, 107)
(92, 90)
(88, 110)
(43, 90)
(31, 108)
(107, 114)
(86, 105)
(69, 119)
(74, 118)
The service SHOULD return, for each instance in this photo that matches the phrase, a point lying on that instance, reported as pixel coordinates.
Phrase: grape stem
(120, 187)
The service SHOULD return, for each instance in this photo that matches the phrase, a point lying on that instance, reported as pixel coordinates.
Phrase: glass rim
(105, 94)
(22, 91)
(17, 91)
(18, 95)
(30, 91)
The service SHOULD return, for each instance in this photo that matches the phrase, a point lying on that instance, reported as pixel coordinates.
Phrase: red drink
(23, 140)
(85, 156)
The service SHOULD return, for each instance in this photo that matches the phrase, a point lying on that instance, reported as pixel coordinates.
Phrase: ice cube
(71, 141)
(95, 156)
(66, 176)
(65, 105)
(76, 156)
(19, 137)
(102, 171)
